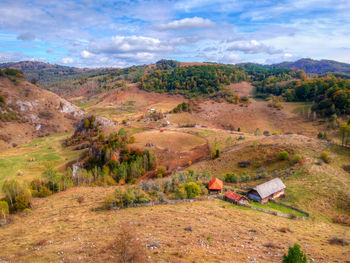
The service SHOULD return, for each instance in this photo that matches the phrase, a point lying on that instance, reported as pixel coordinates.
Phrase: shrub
(44, 192)
(322, 135)
(15, 195)
(46, 115)
(27, 211)
(283, 155)
(192, 190)
(127, 247)
(133, 195)
(161, 171)
(325, 157)
(180, 192)
(296, 158)
(231, 178)
(22, 202)
(338, 241)
(244, 99)
(80, 199)
(342, 220)
(13, 72)
(4, 209)
(295, 255)
(215, 153)
(2, 99)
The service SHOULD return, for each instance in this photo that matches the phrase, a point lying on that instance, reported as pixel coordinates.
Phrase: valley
(92, 163)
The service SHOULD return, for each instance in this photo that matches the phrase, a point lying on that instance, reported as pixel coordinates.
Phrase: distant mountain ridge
(51, 75)
(315, 66)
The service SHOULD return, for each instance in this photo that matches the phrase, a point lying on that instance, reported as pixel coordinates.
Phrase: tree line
(192, 80)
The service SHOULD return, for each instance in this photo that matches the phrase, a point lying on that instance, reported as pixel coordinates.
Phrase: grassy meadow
(43, 151)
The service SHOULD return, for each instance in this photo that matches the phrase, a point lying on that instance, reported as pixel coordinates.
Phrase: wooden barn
(236, 198)
(216, 185)
(266, 191)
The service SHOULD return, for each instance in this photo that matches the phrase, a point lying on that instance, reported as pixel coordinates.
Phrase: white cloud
(126, 44)
(253, 47)
(86, 54)
(221, 57)
(67, 60)
(187, 23)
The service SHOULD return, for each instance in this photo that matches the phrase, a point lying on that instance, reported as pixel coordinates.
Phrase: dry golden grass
(173, 140)
(61, 229)
(135, 102)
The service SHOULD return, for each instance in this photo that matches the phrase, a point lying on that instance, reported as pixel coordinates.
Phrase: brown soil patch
(242, 89)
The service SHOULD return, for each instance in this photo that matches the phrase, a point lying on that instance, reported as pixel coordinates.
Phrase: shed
(236, 198)
(266, 191)
(216, 185)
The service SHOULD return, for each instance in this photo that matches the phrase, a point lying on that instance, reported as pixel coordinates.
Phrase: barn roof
(216, 184)
(270, 187)
(234, 196)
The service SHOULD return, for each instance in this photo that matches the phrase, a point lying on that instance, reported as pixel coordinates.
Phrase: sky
(106, 33)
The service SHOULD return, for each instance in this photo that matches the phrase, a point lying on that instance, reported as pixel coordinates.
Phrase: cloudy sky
(92, 33)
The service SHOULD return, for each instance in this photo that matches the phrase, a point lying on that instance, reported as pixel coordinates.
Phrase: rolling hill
(52, 77)
(315, 66)
(28, 111)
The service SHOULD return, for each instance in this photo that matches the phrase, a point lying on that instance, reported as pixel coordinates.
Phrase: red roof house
(216, 185)
(236, 198)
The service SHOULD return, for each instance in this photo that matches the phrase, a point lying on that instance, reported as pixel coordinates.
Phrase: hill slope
(315, 66)
(51, 76)
(28, 111)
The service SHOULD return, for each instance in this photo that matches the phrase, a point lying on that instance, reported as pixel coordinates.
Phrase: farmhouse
(215, 185)
(266, 191)
(236, 198)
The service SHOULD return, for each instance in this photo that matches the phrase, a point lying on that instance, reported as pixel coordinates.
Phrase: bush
(133, 195)
(27, 211)
(44, 192)
(180, 192)
(295, 255)
(283, 155)
(192, 190)
(161, 171)
(127, 247)
(22, 202)
(322, 135)
(342, 220)
(15, 195)
(325, 157)
(296, 158)
(231, 178)
(4, 209)
(2, 99)
(244, 99)
(13, 72)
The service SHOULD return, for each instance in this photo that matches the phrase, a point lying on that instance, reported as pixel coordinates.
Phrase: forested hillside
(192, 80)
(330, 95)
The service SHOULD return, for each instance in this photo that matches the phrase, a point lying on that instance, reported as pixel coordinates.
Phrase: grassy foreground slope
(221, 232)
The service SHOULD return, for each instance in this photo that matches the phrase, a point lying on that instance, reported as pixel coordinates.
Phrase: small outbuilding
(216, 185)
(266, 191)
(236, 198)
